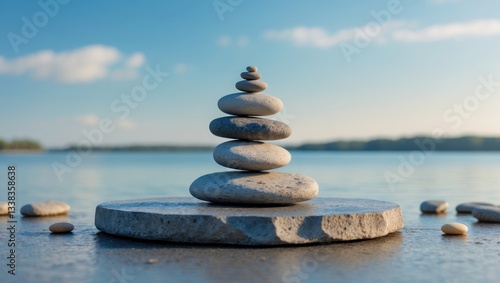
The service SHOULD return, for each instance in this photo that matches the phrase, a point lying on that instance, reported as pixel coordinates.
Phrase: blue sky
(344, 69)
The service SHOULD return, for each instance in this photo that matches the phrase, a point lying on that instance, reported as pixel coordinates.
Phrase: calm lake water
(100, 177)
(417, 253)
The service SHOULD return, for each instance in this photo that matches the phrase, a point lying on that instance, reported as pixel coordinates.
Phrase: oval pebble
(454, 229)
(4, 208)
(250, 104)
(61, 227)
(251, 155)
(468, 207)
(251, 86)
(249, 128)
(487, 214)
(434, 206)
(250, 76)
(45, 208)
(252, 69)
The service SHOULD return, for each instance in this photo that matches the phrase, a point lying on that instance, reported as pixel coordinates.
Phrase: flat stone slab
(188, 220)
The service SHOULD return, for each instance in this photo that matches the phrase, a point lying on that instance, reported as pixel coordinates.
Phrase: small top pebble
(454, 229)
(252, 69)
(434, 206)
(61, 227)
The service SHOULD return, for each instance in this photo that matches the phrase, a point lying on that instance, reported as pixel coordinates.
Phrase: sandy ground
(418, 253)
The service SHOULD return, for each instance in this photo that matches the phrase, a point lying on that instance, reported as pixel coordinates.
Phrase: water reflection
(209, 263)
(455, 238)
(427, 216)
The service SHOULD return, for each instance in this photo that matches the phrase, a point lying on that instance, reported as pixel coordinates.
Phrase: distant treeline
(20, 144)
(467, 143)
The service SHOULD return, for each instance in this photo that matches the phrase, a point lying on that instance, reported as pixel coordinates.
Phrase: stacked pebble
(247, 152)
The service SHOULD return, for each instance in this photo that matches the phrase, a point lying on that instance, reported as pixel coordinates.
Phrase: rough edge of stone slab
(187, 220)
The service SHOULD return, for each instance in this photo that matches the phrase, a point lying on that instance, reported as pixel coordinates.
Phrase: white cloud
(83, 65)
(129, 70)
(135, 60)
(180, 68)
(450, 31)
(320, 38)
(89, 120)
(239, 41)
(313, 37)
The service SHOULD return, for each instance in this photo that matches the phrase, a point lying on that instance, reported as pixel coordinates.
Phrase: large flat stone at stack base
(249, 128)
(251, 155)
(188, 220)
(250, 104)
(245, 187)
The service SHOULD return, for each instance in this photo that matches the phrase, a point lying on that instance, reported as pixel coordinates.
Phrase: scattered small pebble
(454, 229)
(4, 208)
(469, 206)
(45, 208)
(152, 260)
(487, 214)
(434, 206)
(61, 227)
